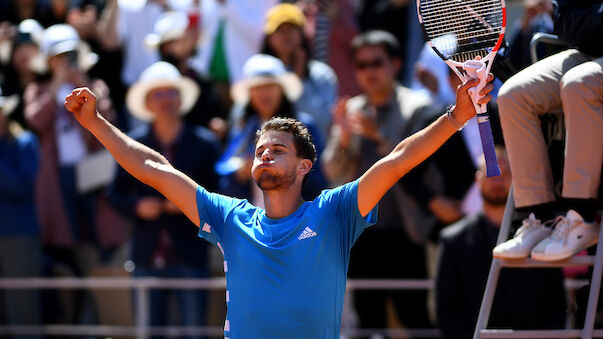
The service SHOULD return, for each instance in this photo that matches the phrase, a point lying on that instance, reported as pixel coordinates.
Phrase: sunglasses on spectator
(169, 93)
(372, 64)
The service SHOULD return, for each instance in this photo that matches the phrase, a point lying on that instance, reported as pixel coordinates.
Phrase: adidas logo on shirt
(307, 233)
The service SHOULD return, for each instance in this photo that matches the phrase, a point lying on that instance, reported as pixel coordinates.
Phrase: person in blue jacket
(19, 227)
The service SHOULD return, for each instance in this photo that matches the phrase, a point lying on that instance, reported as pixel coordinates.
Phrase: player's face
(275, 163)
(375, 70)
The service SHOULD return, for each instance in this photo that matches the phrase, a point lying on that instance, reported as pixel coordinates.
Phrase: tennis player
(286, 264)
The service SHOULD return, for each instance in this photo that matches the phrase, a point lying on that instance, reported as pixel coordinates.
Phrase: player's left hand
(464, 109)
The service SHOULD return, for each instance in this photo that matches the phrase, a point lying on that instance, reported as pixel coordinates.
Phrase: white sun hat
(32, 28)
(160, 74)
(263, 69)
(169, 26)
(58, 39)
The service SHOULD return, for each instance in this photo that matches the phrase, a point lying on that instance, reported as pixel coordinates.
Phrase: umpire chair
(554, 131)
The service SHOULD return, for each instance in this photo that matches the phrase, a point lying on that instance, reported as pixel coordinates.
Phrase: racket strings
(466, 52)
(484, 8)
(463, 29)
(429, 6)
(489, 17)
(473, 33)
(462, 57)
(483, 34)
(447, 21)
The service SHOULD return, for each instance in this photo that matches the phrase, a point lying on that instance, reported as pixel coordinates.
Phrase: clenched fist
(82, 103)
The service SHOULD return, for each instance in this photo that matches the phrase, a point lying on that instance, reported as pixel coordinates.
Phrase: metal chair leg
(595, 286)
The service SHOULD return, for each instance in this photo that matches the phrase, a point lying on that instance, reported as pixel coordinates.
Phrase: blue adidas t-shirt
(285, 277)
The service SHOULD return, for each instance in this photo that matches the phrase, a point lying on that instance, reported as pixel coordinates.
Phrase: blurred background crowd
(194, 79)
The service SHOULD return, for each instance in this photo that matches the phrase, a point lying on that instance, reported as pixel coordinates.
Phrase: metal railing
(141, 287)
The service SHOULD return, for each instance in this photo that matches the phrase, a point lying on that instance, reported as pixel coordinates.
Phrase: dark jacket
(194, 153)
(524, 299)
(580, 23)
(19, 159)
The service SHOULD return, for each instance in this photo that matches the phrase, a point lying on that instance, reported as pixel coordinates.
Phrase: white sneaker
(571, 235)
(527, 236)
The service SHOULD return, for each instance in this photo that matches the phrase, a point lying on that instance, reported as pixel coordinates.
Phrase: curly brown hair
(302, 139)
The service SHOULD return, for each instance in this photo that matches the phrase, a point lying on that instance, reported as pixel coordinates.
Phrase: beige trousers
(570, 81)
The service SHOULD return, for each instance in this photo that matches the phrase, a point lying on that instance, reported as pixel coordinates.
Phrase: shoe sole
(557, 257)
(509, 256)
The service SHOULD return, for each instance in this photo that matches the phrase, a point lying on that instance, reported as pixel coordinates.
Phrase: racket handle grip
(485, 132)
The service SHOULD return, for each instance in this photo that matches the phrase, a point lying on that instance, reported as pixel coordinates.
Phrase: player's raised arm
(139, 160)
(411, 151)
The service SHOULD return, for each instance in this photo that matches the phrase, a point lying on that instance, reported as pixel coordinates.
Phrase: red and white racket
(459, 31)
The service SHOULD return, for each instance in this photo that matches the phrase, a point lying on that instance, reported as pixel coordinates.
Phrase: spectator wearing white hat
(163, 242)
(19, 228)
(266, 90)
(72, 219)
(176, 38)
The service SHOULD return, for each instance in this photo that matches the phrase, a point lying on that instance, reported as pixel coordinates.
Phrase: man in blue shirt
(286, 265)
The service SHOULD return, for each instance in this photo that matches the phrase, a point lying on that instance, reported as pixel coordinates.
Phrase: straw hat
(160, 74)
(263, 69)
(62, 38)
(283, 13)
(170, 26)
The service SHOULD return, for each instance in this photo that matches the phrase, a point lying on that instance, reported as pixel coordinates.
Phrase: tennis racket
(459, 31)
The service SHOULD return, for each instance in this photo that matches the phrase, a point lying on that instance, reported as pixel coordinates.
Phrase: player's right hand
(82, 103)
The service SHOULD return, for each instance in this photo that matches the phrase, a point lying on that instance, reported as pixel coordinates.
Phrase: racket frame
(472, 69)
